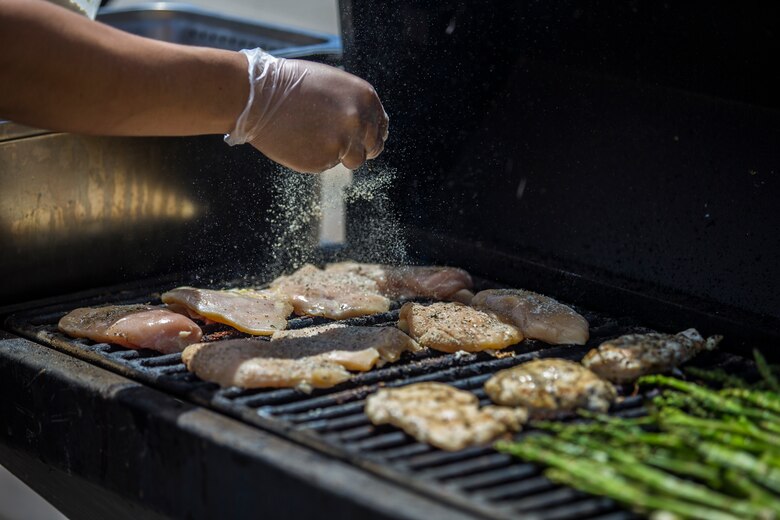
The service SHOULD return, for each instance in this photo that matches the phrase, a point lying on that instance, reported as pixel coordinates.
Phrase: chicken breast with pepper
(536, 315)
(624, 359)
(450, 327)
(413, 281)
(442, 415)
(549, 386)
(332, 294)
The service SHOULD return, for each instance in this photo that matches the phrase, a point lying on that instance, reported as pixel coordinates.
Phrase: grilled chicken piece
(624, 359)
(319, 361)
(410, 281)
(260, 313)
(132, 326)
(537, 316)
(332, 294)
(442, 415)
(450, 327)
(549, 386)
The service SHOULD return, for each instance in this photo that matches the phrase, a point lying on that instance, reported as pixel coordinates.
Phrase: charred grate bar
(477, 480)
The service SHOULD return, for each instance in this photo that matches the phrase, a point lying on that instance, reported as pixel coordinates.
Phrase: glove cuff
(258, 65)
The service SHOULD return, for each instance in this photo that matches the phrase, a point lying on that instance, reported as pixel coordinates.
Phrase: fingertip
(354, 159)
(378, 148)
(384, 126)
(352, 164)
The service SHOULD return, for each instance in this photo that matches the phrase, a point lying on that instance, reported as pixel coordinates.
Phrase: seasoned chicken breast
(260, 313)
(315, 361)
(132, 326)
(624, 359)
(450, 327)
(548, 386)
(442, 415)
(411, 281)
(332, 294)
(537, 316)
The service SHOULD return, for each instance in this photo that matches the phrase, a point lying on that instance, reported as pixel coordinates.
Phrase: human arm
(64, 72)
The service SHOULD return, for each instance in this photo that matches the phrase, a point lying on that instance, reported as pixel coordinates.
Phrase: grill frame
(507, 488)
(89, 441)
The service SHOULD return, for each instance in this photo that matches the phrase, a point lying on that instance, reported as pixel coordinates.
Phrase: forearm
(61, 71)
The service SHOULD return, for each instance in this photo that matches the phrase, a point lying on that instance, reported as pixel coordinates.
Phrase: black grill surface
(478, 480)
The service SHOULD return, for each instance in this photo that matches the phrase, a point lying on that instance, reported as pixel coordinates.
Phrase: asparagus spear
(615, 435)
(598, 418)
(717, 375)
(601, 479)
(770, 426)
(766, 371)
(681, 488)
(733, 459)
(756, 493)
(628, 465)
(621, 491)
(689, 468)
(667, 459)
(741, 442)
(711, 398)
(766, 400)
(678, 400)
(670, 418)
(611, 419)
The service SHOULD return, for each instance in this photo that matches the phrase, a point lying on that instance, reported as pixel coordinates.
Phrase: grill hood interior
(634, 145)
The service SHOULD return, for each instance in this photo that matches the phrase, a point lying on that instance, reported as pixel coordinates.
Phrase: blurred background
(17, 501)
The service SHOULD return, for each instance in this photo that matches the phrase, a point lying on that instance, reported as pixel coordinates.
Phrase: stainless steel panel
(10, 130)
(188, 25)
(79, 212)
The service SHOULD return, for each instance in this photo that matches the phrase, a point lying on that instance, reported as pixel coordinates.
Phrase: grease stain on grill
(478, 480)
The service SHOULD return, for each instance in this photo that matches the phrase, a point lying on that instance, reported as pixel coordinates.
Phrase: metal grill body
(476, 481)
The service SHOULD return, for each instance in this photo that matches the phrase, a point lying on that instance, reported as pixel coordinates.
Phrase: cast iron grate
(478, 480)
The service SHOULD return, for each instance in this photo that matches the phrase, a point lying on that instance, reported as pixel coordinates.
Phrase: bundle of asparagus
(700, 453)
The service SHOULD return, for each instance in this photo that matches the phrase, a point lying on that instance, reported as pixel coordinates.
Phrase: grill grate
(478, 480)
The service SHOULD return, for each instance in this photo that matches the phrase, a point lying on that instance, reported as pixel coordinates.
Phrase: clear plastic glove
(309, 116)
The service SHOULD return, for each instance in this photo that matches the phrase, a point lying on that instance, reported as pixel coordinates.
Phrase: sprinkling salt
(375, 234)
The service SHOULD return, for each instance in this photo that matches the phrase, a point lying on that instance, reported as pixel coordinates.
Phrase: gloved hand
(309, 116)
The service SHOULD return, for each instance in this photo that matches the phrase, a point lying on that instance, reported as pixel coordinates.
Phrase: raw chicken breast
(317, 361)
(548, 386)
(410, 281)
(624, 359)
(332, 294)
(132, 326)
(442, 415)
(260, 313)
(450, 327)
(537, 316)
